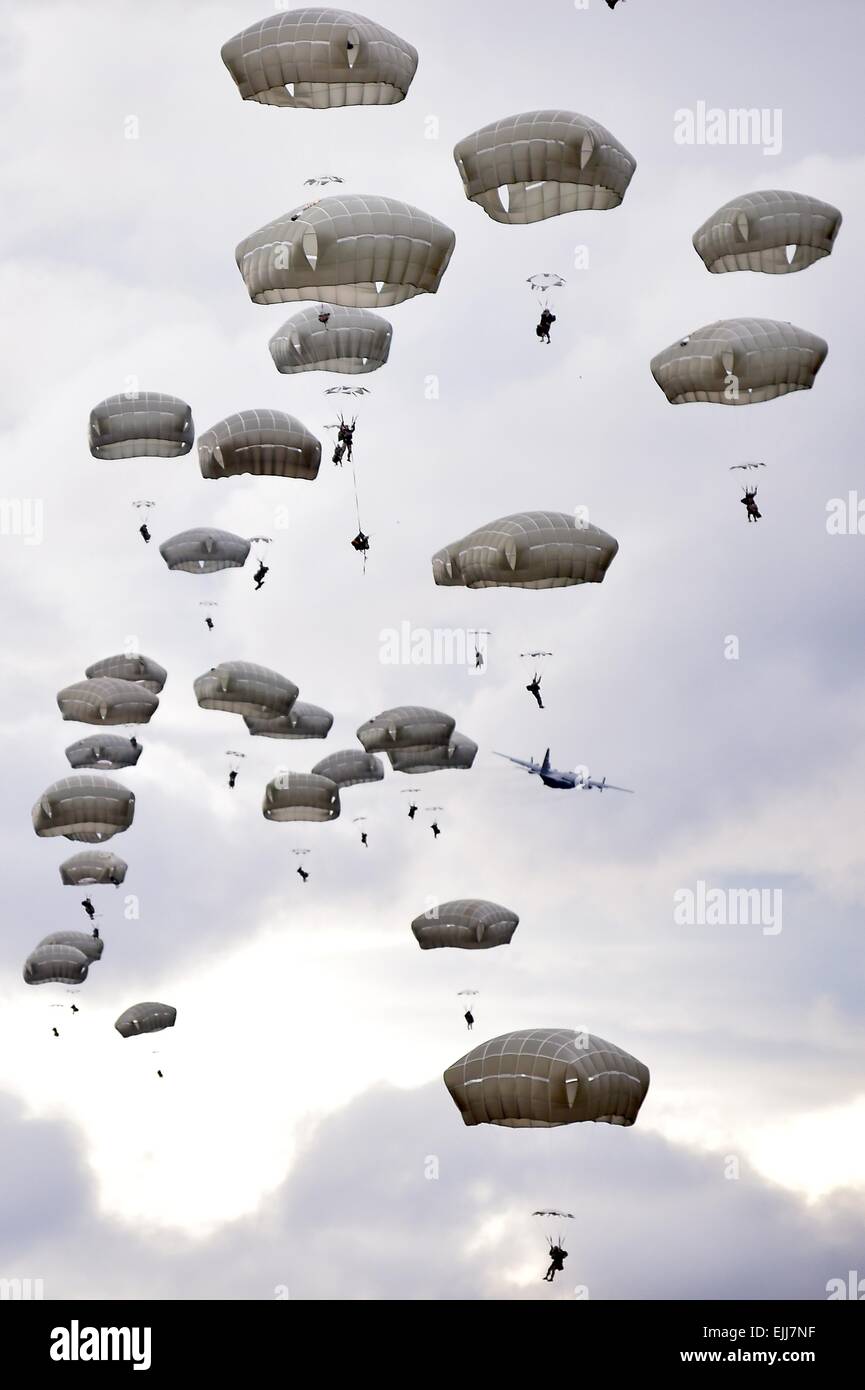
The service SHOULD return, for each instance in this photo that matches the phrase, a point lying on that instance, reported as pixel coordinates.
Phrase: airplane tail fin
(545, 765)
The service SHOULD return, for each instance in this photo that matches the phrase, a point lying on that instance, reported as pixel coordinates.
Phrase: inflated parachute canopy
(56, 965)
(142, 424)
(93, 866)
(86, 808)
(352, 341)
(266, 443)
(739, 362)
(472, 924)
(349, 768)
(300, 796)
(318, 58)
(458, 754)
(407, 726)
(241, 687)
(303, 721)
(145, 1018)
(529, 550)
(778, 233)
(542, 163)
(89, 946)
(204, 550)
(541, 1077)
(107, 701)
(359, 250)
(108, 751)
(131, 666)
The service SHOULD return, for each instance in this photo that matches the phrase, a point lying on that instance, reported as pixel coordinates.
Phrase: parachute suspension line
(357, 508)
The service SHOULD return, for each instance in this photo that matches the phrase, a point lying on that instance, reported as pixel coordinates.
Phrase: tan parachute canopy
(472, 924)
(458, 754)
(105, 700)
(300, 796)
(777, 233)
(303, 721)
(89, 946)
(84, 808)
(131, 666)
(145, 1018)
(542, 163)
(540, 1077)
(108, 751)
(349, 768)
(320, 58)
(739, 362)
(529, 550)
(204, 550)
(142, 424)
(351, 341)
(359, 250)
(407, 726)
(93, 866)
(266, 443)
(241, 687)
(57, 964)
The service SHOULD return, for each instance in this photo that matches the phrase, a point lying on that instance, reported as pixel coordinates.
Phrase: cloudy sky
(301, 1142)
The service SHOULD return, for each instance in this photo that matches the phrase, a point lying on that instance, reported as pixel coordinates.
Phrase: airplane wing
(609, 787)
(518, 761)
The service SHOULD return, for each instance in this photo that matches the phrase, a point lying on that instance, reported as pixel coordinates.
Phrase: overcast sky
(302, 1138)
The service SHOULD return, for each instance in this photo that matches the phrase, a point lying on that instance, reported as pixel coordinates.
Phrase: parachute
(349, 768)
(204, 550)
(141, 424)
(302, 721)
(537, 660)
(145, 507)
(208, 603)
(528, 550)
(87, 808)
(545, 281)
(266, 443)
(145, 1018)
(457, 754)
(543, 285)
(351, 341)
(538, 1078)
(235, 759)
(93, 866)
(89, 946)
(56, 964)
(260, 544)
(408, 726)
(108, 751)
(540, 164)
(106, 700)
(553, 1214)
(471, 924)
(318, 58)
(770, 231)
(241, 687)
(300, 796)
(739, 362)
(358, 250)
(130, 666)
